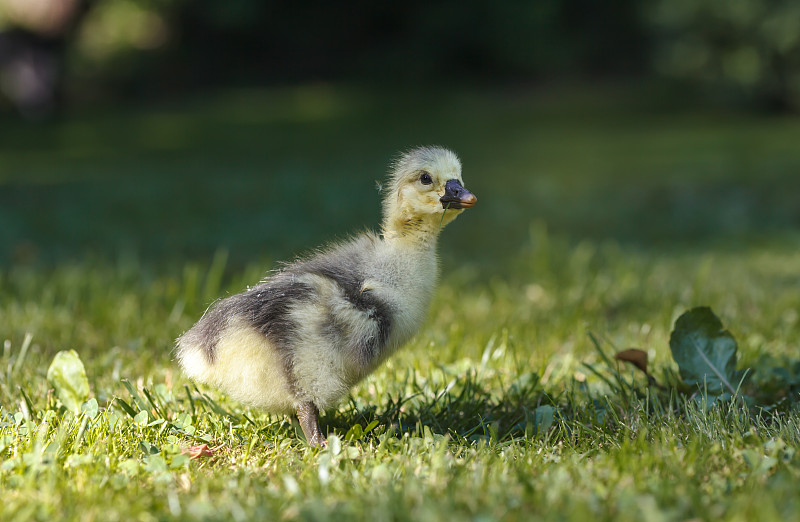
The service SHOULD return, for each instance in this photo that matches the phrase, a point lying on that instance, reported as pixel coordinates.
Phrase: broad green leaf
(544, 415)
(759, 464)
(179, 461)
(91, 408)
(354, 433)
(705, 353)
(141, 418)
(129, 466)
(155, 464)
(68, 377)
(334, 445)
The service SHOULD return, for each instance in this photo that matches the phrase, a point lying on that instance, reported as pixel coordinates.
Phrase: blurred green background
(169, 129)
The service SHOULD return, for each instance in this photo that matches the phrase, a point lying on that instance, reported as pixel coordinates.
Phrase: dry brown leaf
(195, 452)
(634, 356)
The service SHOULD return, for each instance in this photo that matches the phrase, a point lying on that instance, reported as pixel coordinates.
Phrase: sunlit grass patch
(490, 412)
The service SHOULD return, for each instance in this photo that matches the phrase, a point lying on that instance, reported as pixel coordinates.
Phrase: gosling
(305, 335)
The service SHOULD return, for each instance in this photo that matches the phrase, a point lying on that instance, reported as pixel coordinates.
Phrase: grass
(610, 225)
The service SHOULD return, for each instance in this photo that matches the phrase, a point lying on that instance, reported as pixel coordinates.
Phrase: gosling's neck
(415, 232)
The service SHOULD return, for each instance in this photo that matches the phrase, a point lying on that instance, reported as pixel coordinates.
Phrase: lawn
(601, 216)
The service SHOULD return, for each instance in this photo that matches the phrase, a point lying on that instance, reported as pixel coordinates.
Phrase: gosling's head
(425, 192)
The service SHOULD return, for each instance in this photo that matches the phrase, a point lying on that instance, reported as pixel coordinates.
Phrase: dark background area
(173, 128)
(742, 52)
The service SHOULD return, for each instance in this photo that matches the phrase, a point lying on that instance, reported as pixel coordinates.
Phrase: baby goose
(300, 339)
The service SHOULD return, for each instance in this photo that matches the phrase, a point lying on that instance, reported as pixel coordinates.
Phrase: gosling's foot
(308, 416)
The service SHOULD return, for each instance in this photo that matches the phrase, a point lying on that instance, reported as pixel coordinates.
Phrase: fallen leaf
(634, 356)
(195, 452)
(705, 352)
(544, 416)
(68, 377)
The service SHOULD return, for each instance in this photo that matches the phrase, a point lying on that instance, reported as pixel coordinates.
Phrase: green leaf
(371, 426)
(91, 408)
(759, 464)
(705, 353)
(155, 464)
(179, 461)
(354, 433)
(141, 418)
(68, 377)
(544, 416)
(129, 466)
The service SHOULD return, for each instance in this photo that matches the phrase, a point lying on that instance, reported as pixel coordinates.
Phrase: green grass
(604, 217)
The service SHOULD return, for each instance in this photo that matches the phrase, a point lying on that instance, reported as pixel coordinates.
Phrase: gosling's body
(299, 340)
(312, 331)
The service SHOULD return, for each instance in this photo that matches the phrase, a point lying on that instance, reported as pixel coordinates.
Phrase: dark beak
(456, 196)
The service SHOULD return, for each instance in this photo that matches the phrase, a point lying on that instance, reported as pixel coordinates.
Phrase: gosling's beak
(456, 196)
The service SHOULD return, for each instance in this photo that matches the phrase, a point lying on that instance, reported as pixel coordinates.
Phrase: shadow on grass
(467, 410)
(475, 409)
(578, 416)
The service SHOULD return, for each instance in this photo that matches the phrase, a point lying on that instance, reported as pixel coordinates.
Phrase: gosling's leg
(308, 415)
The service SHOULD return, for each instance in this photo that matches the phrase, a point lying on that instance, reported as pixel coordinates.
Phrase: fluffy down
(306, 334)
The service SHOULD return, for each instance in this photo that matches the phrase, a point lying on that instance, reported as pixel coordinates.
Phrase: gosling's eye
(425, 178)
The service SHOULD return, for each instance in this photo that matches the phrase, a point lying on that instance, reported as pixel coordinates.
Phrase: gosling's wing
(246, 344)
(265, 307)
(355, 307)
